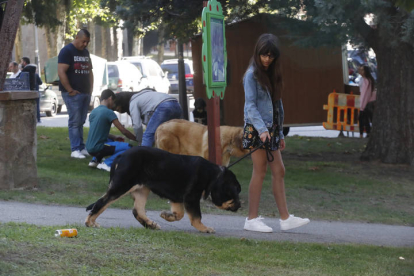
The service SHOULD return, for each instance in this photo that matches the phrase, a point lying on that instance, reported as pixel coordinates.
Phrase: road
(323, 232)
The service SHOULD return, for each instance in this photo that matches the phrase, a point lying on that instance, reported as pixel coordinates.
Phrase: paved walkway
(225, 226)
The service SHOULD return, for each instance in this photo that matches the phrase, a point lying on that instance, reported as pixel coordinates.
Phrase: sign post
(214, 61)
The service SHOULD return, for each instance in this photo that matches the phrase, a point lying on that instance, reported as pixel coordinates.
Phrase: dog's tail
(90, 207)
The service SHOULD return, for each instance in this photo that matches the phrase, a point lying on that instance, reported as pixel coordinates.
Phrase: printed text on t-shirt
(81, 65)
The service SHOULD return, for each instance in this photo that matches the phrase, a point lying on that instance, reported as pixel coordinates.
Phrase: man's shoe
(85, 152)
(77, 154)
(292, 222)
(103, 166)
(257, 225)
(93, 163)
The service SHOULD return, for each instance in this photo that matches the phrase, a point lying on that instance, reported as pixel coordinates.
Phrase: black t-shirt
(32, 75)
(80, 66)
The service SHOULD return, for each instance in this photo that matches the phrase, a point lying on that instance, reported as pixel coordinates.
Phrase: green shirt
(100, 121)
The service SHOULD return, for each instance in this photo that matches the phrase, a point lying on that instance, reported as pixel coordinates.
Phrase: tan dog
(188, 138)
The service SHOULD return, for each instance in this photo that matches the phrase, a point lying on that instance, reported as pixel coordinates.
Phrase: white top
(14, 75)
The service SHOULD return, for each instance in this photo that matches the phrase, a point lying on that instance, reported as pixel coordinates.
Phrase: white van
(124, 77)
(152, 74)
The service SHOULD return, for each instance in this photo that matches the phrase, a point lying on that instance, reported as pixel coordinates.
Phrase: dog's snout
(235, 206)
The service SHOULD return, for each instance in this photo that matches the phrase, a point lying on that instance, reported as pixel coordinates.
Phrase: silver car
(48, 101)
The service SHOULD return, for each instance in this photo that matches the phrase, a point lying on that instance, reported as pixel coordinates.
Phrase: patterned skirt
(251, 138)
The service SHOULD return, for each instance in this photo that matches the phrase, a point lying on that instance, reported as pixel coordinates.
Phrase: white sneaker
(93, 163)
(292, 222)
(85, 152)
(77, 154)
(103, 166)
(257, 225)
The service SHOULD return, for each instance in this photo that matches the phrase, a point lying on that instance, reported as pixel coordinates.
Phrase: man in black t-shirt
(76, 84)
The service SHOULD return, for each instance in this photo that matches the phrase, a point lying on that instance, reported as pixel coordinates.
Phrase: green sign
(214, 53)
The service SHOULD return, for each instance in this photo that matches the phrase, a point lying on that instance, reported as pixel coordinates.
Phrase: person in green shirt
(100, 142)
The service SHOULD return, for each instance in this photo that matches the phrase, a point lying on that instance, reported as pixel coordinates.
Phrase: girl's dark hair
(367, 73)
(270, 79)
(122, 100)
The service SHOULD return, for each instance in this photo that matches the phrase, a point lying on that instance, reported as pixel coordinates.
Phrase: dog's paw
(208, 230)
(168, 216)
(152, 225)
(92, 224)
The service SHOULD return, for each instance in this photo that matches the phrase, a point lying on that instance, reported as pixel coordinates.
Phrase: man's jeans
(77, 107)
(164, 112)
(38, 108)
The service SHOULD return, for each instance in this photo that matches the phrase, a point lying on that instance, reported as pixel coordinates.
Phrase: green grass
(324, 180)
(33, 250)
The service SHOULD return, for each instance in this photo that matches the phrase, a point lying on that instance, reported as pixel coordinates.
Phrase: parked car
(124, 77)
(171, 66)
(48, 101)
(152, 74)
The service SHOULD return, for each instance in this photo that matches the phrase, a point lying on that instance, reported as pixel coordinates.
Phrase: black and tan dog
(199, 112)
(181, 179)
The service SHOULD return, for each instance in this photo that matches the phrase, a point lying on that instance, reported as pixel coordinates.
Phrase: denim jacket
(258, 107)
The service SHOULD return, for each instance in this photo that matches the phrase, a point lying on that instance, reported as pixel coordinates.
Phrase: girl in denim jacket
(263, 117)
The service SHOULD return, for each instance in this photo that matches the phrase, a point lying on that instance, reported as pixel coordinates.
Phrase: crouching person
(150, 108)
(100, 143)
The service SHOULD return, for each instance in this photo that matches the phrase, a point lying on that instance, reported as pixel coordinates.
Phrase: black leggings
(364, 121)
(106, 151)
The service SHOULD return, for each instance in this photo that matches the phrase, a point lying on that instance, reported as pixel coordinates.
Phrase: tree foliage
(389, 21)
(181, 18)
(42, 13)
(84, 11)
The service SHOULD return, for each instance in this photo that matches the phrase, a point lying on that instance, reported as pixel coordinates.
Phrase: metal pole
(182, 88)
(37, 59)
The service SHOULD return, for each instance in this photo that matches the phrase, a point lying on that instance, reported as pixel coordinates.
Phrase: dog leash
(269, 154)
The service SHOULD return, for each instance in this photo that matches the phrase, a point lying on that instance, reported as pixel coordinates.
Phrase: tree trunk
(49, 43)
(92, 43)
(392, 136)
(8, 34)
(114, 47)
(119, 43)
(104, 42)
(61, 29)
(160, 46)
(18, 45)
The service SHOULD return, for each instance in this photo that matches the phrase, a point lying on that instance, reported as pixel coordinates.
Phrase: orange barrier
(343, 111)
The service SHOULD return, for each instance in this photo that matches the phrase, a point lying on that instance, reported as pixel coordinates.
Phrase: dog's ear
(209, 187)
(237, 141)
